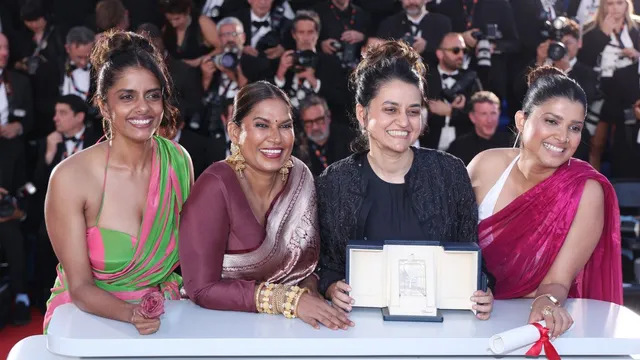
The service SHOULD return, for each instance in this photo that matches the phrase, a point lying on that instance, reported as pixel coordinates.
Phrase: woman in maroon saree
(249, 236)
(549, 226)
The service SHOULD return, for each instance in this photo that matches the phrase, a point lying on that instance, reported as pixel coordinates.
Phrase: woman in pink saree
(249, 237)
(549, 224)
(112, 210)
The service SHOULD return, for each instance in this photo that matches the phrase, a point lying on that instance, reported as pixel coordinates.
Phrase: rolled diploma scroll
(510, 340)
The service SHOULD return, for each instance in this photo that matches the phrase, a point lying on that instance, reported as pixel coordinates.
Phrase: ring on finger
(547, 311)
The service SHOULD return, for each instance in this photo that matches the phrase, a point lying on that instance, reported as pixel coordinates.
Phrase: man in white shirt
(16, 115)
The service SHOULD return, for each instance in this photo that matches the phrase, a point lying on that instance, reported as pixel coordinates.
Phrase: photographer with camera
(303, 72)
(222, 76)
(621, 116)
(488, 28)
(450, 87)
(12, 245)
(267, 35)
(421, 29)
(71, 76)
(344, 29)
(561, 50)
(16, 102)
(40, 42)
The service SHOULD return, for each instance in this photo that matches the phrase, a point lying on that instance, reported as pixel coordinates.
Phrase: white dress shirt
(4, 103)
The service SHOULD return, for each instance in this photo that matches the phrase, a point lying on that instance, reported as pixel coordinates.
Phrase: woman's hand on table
(314, 310)
(557, 318)
(484, 303)
(143, 325)
(338, 293)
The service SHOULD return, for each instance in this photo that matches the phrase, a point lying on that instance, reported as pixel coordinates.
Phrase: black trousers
(12, 246)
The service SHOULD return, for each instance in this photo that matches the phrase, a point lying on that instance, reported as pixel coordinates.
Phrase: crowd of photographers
(477, 51)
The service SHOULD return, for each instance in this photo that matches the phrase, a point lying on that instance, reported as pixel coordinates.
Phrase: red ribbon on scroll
(549, 350)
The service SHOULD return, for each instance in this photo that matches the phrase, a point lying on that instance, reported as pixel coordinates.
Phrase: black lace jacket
(442, 199)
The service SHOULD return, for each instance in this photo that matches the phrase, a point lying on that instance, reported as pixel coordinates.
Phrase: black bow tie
(70, 138)
(72, 67)
(446, 76)
(259, 24)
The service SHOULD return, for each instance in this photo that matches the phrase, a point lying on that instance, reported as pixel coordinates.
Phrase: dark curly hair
(119, 50)
(382, 63)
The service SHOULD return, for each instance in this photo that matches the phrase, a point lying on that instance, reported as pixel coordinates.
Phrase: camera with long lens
(347, 53)
(9, 203)
(305, 59)
(554, 30)
(229, 58)
(485, 39)
(466, 79)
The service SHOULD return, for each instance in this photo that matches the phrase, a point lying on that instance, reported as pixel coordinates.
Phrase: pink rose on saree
(152, 305)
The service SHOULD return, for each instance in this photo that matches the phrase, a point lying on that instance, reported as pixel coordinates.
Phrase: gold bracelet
(295, 305)
(257, 296)
(279, 295)
(548, 296)
(265, 296)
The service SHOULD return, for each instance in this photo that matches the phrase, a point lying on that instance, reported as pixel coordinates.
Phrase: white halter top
(489, 202)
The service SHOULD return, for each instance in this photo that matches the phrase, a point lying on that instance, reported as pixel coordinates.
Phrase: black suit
(12, 177)
(433, 27)
(187, 87)
(459, 118)
(333, 84)
(626, 146)
(48, 82)
(20, 99)
(219, 145)
(199, 149)
(260, 67)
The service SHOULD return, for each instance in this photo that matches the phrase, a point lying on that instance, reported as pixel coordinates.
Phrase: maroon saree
(520, 242)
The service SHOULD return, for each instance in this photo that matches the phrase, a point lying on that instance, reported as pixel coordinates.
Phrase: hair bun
(541, 72)
(393, 50)
(115, 42)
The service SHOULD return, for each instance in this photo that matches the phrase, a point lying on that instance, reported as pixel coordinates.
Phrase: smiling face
(265, 136)
(134, 104)
(552, 132)
(393, 119)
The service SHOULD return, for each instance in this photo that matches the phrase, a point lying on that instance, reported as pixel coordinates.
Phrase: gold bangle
(548, 296)
(295, 305)
(257, 296)
(265, 298)
(290, 296)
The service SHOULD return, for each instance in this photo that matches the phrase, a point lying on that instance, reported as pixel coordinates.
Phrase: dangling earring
(515, 144)
(284, 170)
(569, 162)
(109, 134)
(236, 159)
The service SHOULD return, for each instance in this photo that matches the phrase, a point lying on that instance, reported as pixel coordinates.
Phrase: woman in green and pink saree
(112, 211)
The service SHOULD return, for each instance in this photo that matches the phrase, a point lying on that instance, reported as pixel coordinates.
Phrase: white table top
(188, 330)
(35, 348)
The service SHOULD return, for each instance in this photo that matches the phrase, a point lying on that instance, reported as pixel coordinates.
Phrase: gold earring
(236, 159)
(109, 134)
(284, 170)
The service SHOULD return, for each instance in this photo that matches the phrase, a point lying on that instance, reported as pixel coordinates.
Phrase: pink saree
(520, 242)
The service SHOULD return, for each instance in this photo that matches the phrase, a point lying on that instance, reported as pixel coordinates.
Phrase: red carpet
(10, 334)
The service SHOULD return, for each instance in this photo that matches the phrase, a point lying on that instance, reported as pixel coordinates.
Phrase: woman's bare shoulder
(490, 161)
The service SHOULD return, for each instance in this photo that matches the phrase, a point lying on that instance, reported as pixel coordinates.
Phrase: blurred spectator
(450, 88)
(111, 14)
(16, 99)
(325, 141)
(484, 114)
(418, 27)
(303, 72)
(188, 36)
(41, 42)
(344, 30)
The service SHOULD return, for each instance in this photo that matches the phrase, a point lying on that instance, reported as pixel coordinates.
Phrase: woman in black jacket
(388, 189)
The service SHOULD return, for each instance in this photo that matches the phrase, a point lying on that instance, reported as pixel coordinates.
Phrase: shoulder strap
(104, 186)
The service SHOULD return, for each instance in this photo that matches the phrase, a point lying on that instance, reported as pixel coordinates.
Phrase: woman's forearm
(93, 300)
